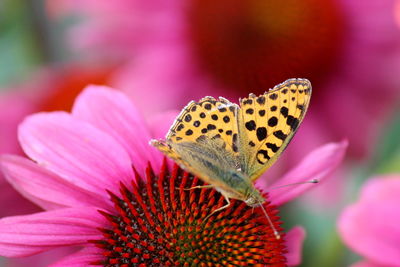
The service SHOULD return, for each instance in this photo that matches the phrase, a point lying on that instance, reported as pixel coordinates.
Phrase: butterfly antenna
(313, 181)
(276, 233)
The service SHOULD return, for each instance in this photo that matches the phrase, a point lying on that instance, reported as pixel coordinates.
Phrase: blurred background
(166, 53)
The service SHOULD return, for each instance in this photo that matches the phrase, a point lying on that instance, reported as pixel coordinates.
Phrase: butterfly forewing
(268, 122)
(203, 138)
(208, 119)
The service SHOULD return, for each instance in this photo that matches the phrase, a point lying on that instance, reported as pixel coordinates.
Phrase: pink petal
(369, 264)
(45, 188)
(294, 242)
(160, 123)
(39, 260)
(27, 235)
(382, 188)
(112, 112)
(11, 202)
(159, 126)
(371, 226)
(82, 258)
(316, 165)
(76, 151)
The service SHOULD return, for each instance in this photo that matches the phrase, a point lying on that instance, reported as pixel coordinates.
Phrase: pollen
(158, 222)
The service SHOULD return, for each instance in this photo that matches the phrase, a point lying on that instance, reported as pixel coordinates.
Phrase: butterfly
(229, 146)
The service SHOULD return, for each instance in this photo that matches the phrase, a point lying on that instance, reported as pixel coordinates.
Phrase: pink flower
(49, 89)
(182, 50)
(371, 226)
(102, 146)
(13, 108)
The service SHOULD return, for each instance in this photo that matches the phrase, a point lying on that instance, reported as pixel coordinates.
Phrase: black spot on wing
(248, 102)
(292, 122)
(261, 100)
(211, 127)
(272, 146)
(273, 121)
(280, 135)
(284, 111)
(250, 125)
(261, 133)
(180, 127)
(264, 154)
(250, 111)
(188, 118)
(273, 96)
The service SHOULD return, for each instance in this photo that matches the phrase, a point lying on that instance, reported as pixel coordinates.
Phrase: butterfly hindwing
(268, 122)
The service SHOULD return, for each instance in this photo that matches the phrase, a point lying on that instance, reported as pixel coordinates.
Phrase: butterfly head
(254, 198)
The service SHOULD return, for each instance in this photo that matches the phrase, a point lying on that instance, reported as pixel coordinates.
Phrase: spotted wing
(208, 119)
(203, 138)
(268, 122)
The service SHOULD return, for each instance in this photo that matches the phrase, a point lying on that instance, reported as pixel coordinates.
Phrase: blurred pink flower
(48, 89)
(13, 108)
(371, 226)
(183, 50)
(77, 157)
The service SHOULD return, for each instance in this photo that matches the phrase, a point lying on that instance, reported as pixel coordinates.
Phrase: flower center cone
(158, 223)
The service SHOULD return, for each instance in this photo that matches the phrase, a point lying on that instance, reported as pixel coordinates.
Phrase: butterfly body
(215, 167)
(229, 146)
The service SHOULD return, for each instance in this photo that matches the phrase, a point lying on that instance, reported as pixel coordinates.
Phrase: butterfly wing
(203, 138)
(268, 122)
(208, 119)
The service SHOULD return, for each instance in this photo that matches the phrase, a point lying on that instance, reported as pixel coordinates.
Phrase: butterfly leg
(196, 187)
(199, 187)
(228, 203)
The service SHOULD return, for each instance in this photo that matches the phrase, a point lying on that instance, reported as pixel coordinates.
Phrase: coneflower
(90, 170)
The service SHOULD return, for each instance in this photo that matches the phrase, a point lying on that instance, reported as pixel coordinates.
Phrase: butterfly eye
(250, 201)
